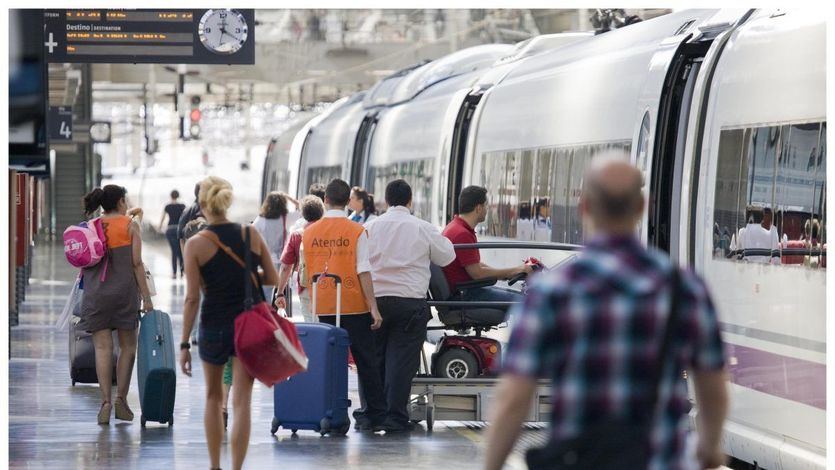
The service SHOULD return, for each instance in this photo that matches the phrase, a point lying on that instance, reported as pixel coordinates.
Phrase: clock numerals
(223, 31)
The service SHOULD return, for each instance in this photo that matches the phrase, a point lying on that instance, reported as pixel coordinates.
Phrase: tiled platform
(53, 425)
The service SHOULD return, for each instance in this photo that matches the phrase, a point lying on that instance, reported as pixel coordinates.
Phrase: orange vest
(330, 244)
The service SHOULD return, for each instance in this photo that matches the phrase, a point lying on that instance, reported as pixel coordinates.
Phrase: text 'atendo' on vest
(330, 246)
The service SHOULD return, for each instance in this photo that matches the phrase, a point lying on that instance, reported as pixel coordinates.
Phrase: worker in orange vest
(336, 245)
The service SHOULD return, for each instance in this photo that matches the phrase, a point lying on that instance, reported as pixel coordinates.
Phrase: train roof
(461, 62)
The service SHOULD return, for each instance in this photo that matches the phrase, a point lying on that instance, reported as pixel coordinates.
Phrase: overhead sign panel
(217, 36)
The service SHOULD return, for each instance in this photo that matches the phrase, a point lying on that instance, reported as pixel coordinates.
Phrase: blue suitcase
(155, 368)
(317, 400)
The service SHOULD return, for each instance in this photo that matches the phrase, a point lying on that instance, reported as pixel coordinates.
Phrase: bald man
(595, 328)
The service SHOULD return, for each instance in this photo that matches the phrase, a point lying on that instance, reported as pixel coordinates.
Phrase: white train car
(723, 111)
(276, 176)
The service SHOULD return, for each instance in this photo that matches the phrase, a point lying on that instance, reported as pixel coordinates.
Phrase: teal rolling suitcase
(155, 368)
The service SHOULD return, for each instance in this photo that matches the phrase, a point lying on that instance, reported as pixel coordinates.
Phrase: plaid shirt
(595, 327)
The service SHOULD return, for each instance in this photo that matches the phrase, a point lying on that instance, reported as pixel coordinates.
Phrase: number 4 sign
(60, 123)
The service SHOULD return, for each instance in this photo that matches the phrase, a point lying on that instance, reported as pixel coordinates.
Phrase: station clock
(223, 32)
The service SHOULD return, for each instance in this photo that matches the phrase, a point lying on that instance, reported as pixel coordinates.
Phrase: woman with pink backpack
(113, 290)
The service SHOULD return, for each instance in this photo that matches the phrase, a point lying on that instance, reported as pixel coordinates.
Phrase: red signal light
(195, 115)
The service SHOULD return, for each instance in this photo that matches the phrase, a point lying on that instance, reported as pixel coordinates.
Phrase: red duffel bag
(267, 344)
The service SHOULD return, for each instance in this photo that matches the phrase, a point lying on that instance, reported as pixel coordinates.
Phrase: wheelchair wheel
(456, 364)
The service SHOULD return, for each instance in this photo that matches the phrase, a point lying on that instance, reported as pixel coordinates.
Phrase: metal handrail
(520, 245)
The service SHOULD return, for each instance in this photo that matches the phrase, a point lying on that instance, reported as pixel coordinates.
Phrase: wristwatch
(185, 346)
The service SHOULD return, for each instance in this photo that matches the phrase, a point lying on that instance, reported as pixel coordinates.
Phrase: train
(724, 113)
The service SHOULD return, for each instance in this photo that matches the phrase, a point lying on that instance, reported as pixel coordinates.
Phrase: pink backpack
(84, 244)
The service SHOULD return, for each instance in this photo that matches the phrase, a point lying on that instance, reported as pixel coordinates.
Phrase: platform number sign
(60, 123)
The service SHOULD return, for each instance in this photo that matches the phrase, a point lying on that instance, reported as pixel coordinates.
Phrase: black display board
(150, 36)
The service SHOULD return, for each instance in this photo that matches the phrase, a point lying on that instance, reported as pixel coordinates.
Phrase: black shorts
(216, 344)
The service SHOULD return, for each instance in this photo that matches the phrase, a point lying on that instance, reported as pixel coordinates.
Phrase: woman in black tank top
(222, 280)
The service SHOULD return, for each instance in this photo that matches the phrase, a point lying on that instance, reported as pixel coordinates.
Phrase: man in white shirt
(400, 249)
(760, 242)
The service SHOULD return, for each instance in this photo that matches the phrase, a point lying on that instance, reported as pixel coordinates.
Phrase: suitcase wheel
(294, 431)
(171, 422)
(344, 429)
(274, 426)
(324, 426)
(142, 421)
(73, 383)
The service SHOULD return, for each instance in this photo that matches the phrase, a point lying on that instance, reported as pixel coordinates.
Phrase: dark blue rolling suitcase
(155, 368)
(317, 400)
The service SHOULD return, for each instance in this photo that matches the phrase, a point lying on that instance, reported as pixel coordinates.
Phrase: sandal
(104, 413)
(123, 411)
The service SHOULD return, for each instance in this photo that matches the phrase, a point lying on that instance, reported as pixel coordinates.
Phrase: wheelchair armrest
(474, 284)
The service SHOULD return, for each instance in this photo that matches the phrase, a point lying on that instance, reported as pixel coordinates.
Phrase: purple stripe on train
(782, 376)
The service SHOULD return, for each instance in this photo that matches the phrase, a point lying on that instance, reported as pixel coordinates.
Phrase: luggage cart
(466, 400)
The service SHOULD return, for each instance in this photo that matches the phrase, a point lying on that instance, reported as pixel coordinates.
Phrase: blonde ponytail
(215, 195)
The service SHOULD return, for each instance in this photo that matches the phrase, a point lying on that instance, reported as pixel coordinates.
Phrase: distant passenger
(362, 206)
(595, 327)
(401, 248)
(173, 210)
(293, 258)
(315, 189)
(222, 280)
(339, 246)
(272, 223)
(472, 205)
(113, 289)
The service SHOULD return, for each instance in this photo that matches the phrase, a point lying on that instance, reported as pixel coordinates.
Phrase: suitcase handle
(315, 283)
(336, 278)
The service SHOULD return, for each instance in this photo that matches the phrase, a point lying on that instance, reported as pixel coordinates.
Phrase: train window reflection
(533, 194)
(418, 173)
(322, 175)
(769, 195)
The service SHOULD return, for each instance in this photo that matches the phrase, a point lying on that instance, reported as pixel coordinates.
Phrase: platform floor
(53, 425)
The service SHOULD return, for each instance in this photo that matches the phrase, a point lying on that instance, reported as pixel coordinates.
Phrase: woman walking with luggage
(112, 291)
(210, 265)
(173, 210)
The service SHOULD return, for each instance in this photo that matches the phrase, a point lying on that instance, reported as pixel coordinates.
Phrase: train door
(458, 151)
(362, 148)
(663, 129)
(671, 128)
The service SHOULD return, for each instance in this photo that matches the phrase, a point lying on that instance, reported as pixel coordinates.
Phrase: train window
(559, 209)
(731, 190)
(500, 175)
(418, 173)
(770, 192)
(579, 163)
(323, 174)
(524, 212)
(542, 191)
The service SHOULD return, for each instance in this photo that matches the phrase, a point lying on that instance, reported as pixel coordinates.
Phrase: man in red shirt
(472, 208)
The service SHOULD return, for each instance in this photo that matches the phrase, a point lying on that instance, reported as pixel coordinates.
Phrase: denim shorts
(217, 344)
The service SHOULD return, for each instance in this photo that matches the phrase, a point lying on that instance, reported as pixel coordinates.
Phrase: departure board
(217, 36)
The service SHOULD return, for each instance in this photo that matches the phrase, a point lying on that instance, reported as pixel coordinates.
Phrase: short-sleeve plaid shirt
(595, 325)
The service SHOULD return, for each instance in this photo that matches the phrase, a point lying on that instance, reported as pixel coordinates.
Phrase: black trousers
(364, 350)
(399, 343)
(176, 253)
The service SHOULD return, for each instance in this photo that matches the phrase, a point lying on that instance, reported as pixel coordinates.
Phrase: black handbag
(613, 444)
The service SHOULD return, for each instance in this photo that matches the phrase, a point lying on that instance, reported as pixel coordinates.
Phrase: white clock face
(223, 31)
